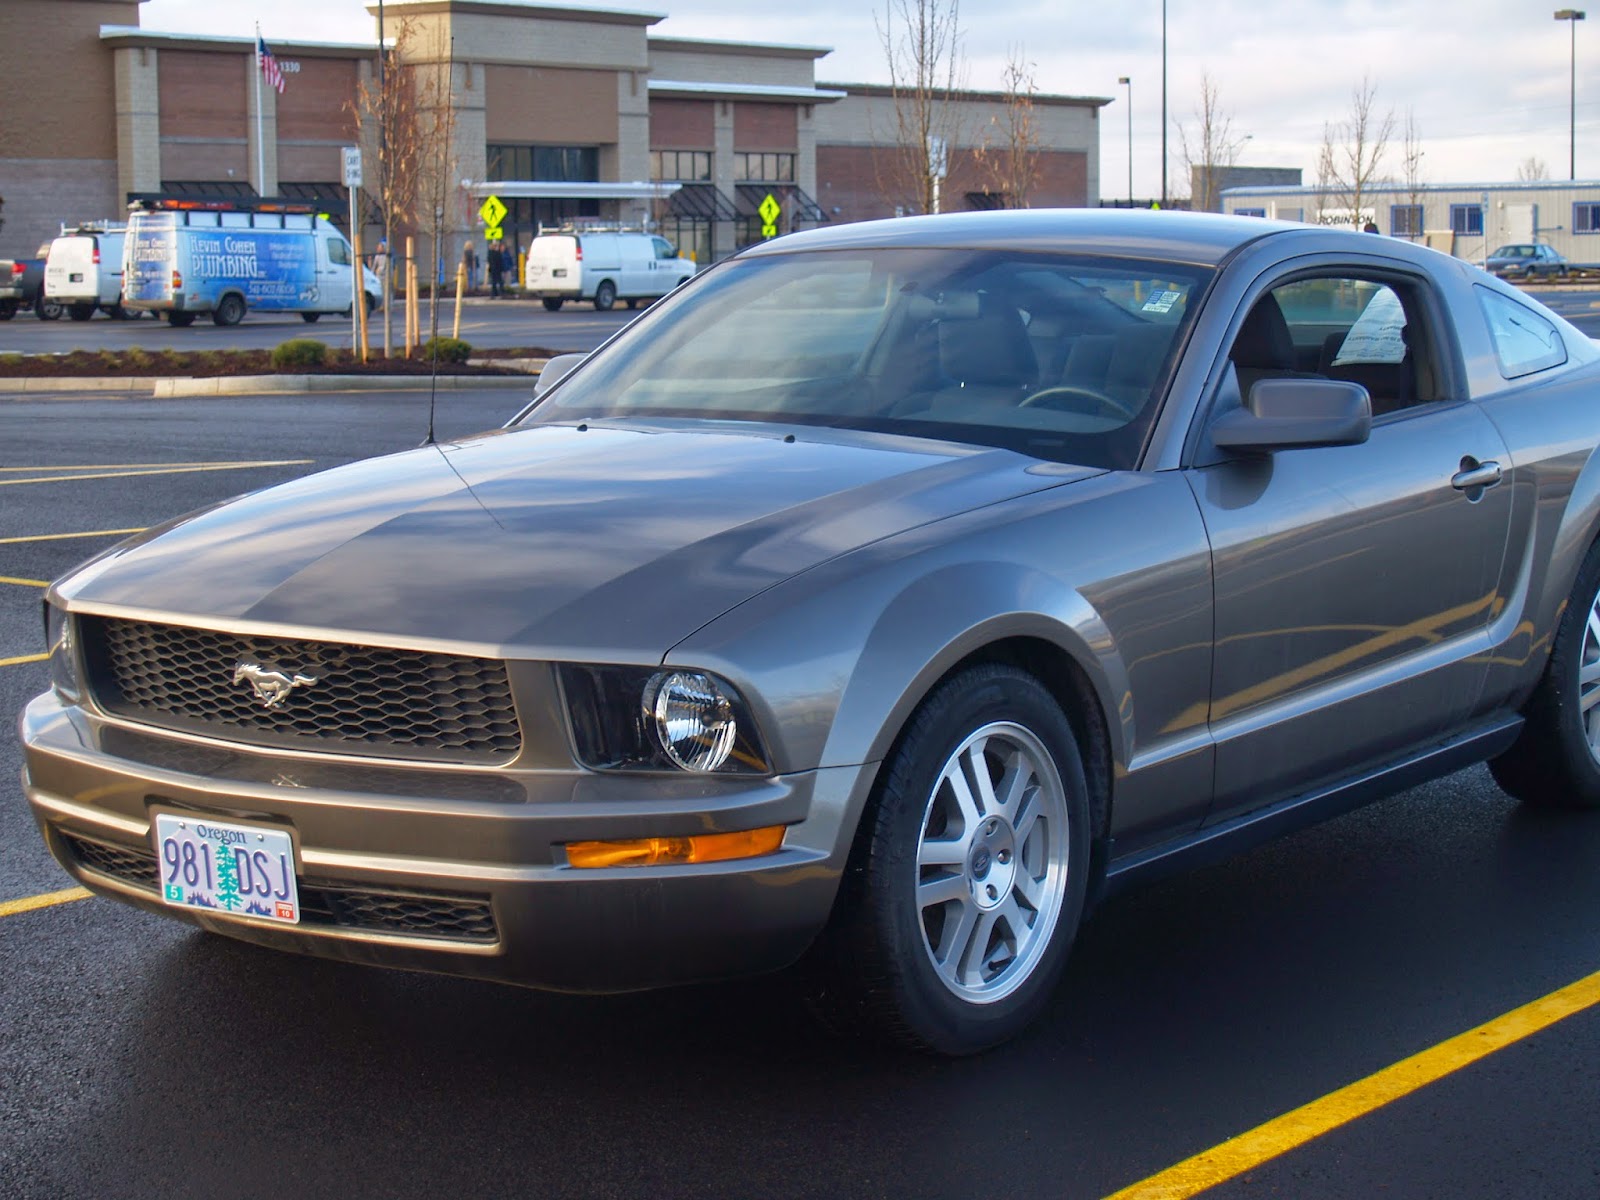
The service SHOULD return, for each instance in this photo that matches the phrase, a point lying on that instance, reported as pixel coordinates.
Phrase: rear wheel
(1555, 762)
(230, 310)
(967, 880)
(80, 312)
(180, 320)
(310, 318)
(605, 296)
(8, 309)
(552, 303)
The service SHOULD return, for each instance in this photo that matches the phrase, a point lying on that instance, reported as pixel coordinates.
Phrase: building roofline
(1047, 98)
(743, 91)
(517, 8)
(717, 46)
(1405, 189)
(134, 35)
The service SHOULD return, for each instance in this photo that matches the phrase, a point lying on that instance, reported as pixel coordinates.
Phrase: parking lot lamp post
(1128, 82)
(1572, 16)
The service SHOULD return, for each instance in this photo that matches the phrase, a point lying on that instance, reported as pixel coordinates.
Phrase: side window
(1342, 326)
(1524, 342)
(664, 249)
(337, 253)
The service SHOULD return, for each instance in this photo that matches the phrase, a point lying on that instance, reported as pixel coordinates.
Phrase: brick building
(563, 113)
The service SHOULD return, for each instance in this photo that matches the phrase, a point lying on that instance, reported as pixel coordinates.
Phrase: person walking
(469, 263)
(497, 269)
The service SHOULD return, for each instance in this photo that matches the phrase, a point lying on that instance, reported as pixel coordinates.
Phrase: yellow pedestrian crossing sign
(493, 211)
(770, 210)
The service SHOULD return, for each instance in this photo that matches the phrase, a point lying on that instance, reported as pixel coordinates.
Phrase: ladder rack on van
(161, 202)
(596, 225)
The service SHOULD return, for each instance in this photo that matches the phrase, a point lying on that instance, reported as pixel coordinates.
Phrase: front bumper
(458, 871)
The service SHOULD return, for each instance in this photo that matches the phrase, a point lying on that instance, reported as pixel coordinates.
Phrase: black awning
(796, 204)
(701, 202)
(213, 188)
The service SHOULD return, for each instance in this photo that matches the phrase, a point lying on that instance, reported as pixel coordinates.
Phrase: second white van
(83, 272)
(603, 268)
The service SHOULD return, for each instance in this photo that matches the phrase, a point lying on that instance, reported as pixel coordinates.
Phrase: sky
(1485, 81)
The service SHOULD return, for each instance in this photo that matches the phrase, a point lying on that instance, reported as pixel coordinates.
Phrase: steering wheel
(1100, 400)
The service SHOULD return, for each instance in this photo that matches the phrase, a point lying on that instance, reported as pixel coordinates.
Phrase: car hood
(598, 543)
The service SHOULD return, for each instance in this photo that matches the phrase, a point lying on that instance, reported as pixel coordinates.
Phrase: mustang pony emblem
(271, 687)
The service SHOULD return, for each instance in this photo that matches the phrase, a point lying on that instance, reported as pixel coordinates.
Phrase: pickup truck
(22, 286)
(11, 274)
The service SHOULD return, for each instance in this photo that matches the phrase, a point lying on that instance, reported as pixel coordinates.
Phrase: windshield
(1057, 357)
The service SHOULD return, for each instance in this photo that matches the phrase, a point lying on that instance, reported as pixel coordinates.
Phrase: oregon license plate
(238, 870)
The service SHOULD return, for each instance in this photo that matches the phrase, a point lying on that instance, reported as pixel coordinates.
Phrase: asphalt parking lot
(143, 1058)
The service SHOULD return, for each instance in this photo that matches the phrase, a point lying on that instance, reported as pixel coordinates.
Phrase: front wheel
(229, 310)
(968, 876)
(605, 296)
(46, 310)
(1555, 761)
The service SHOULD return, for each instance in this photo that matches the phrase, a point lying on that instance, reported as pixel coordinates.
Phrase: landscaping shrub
(299, 352)
(448, 349)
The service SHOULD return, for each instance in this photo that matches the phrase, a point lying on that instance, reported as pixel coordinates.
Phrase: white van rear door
(333, 272)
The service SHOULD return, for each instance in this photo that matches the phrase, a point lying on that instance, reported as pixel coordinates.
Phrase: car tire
(310, 318)
(8, 309)
(80, 312)
(180, 320)
(47, 310)
(552, 303)
(1555, 761)
(605, 296)
(956, 915)
(229, 310)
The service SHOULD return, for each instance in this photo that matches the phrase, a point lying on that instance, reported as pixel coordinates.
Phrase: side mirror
(557, 369)
(1296, 414)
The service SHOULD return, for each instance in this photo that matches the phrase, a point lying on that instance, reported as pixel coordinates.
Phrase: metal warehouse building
(1468, 219)
(561, 112)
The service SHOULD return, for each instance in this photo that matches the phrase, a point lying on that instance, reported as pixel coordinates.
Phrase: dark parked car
(1530, 260)
(879, 600)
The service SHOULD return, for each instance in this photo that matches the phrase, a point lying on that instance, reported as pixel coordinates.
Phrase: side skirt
(1212, 844)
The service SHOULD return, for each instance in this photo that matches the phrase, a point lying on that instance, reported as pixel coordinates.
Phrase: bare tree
(1008, 158)
(1411, 156)
(408, 129)
(1532, 169)
(1209, 148)
(1351, 160)
(922, 42)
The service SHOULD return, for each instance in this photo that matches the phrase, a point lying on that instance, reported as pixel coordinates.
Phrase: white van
(83, 272)
(226, 257)
(602, 267)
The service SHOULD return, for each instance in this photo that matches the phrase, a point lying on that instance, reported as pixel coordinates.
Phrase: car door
(333, 273)
(1354, 585)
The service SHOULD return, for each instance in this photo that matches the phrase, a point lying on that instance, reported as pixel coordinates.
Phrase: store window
(767, 167)
(1466, 220)
(688, 166)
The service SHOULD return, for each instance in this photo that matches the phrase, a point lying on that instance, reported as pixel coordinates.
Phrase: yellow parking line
(1282, 1134)
(243, 466)
(24, 582)
(22, 658)
(10, 908)
(62, 537)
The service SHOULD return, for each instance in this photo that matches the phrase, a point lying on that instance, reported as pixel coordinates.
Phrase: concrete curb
(111, 383)
(266, 385)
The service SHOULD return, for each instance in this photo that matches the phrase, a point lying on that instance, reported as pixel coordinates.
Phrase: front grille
(442, 916)
(362, 699)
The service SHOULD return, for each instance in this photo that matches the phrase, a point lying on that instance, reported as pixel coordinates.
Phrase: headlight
(646, 718)
(63, 650)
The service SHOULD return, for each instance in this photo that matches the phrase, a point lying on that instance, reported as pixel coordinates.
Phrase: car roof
(1197, 238)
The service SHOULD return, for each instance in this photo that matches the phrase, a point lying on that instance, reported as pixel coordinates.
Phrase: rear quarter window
(1524, 342)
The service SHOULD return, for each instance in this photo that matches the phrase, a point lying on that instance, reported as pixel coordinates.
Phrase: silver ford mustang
(878, 602)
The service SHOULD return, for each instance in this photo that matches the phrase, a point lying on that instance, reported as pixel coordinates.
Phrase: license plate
(236, 870)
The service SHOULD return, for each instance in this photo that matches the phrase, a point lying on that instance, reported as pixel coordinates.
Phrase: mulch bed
(210, 363)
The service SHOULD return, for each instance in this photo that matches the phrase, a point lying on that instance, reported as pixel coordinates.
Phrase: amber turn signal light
(663, 851)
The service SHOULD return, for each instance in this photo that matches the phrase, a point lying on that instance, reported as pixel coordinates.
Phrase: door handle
(1475, 475)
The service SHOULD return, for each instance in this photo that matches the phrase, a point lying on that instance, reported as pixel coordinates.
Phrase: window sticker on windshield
(1376, 336)
(1162, 302)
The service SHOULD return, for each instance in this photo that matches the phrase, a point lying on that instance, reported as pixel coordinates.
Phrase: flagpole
(261, 142)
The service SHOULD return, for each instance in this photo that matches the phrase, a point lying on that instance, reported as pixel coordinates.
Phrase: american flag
(270, 69)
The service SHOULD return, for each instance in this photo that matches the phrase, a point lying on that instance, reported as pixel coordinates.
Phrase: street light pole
(1572, 16)
(1163, 103)
(1126, 80)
